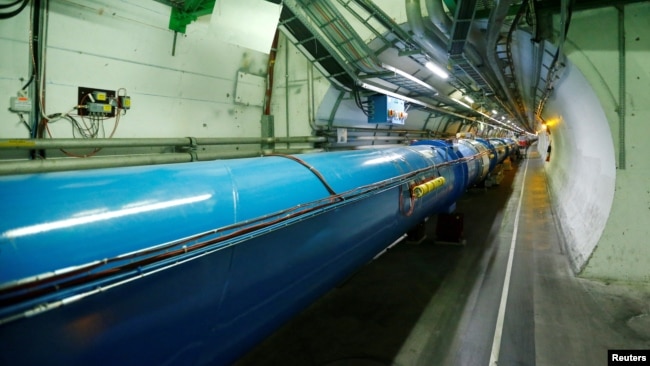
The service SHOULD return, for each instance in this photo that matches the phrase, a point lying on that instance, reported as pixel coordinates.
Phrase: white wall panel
(14, 71)
(126, 44)
(603, 207)
(623, 253)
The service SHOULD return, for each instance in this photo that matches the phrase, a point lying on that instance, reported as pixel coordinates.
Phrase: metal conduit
(438, 17)
(444, 24)
(497, 17)
(558, 59)
(432, 45)
(392, 131)
(519, 103)
(341, 34)
(385, 20)
(64, 164)
(538, 57)
(375, 138)
(621, 87)
(64, 143)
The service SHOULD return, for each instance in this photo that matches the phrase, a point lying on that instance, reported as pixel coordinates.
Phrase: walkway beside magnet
(432, 304)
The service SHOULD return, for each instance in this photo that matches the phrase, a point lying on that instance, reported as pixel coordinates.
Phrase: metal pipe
(558, 62)
(310, 81)
(311, 100)
(69, 143)
(621, 87)
(433, 46)
(53, 165)
(538, 57)
(363, 129)
(256, 140)
(67, 164)
(497, 17)
(383, 146)
(438, 17)
(286, 86)
(442, 28)
(66, 143)
(292, 151)
(374, 138)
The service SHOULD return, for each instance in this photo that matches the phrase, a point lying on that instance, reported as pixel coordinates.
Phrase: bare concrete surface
(577, 320)
(432, 304)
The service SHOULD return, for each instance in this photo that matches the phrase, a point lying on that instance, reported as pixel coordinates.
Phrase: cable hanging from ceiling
(6, 14)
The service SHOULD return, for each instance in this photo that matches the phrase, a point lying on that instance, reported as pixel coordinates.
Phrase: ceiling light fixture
(410, 77)
(437, 70)
(469, 99)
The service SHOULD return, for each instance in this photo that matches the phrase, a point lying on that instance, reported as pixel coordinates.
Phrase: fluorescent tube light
(437, 70)
(409, 76)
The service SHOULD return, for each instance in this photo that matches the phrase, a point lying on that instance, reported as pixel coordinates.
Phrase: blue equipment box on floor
(386, 109)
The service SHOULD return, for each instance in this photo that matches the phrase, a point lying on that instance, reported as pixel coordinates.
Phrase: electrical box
(95, 101)
(386, 109)
(99, 108)
(124, 102)
(342, 135)
(100, 96)
(20, 104)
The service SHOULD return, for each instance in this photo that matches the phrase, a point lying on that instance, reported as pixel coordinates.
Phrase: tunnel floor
(440, 304)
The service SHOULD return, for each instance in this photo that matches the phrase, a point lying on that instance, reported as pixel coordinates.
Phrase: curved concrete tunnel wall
(599, 173)
(623, 252)
(581, 171)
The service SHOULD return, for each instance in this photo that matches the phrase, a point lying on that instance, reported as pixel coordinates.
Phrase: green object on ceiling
(188, 11)
(451, 5)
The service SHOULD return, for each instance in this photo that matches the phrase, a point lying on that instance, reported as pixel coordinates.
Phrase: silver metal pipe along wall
(442, 28)
(64, 164)
(433, 46)
(497, 17)
(32, 144)
(438, 17)
(621, 87)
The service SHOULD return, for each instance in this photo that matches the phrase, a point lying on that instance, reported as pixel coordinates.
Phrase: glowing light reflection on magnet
(60, 224)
